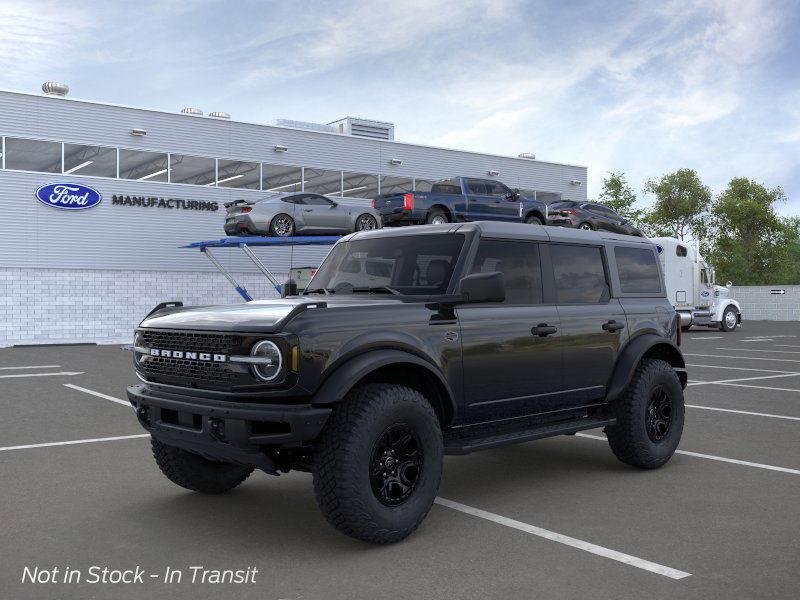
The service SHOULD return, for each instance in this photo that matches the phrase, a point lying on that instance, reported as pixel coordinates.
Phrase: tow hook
(217, 429)
(143, 414)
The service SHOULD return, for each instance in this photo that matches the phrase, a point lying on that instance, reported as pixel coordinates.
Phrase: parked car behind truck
(589, 216)
(461, 199)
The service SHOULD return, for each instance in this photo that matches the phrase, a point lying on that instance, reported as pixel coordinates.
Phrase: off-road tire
(193, 472)
(343, 456)
(628, 438)
(437, 212)
(723, 326)
(533, 220)
(275, 233)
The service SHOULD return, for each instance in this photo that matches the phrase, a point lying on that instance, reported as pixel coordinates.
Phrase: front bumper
(233, 432)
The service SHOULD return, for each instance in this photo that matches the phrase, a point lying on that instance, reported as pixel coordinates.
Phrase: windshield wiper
(319, 291)
(381, 289)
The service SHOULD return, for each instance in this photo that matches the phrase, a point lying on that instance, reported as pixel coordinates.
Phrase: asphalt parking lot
(559, 518)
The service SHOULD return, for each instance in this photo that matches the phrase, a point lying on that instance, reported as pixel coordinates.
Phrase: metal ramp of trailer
(247, 243)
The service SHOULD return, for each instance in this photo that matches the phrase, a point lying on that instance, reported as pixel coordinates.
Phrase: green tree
(750, 243)
(682, 202)
(617, 194)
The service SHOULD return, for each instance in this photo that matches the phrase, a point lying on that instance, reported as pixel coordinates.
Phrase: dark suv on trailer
(410, 344)
(588, 216)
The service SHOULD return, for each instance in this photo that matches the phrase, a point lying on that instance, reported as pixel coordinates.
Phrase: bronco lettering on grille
(189, 355)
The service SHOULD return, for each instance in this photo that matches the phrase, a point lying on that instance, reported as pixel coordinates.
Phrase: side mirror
(483, 287)
(334, 204)
(289, 288)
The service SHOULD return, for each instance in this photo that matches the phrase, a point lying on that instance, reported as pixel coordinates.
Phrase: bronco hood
(259, 316)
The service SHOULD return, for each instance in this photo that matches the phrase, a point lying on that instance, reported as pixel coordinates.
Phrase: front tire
(729, 320)
(281, 226)
(193, 472)
(650, 416)
(378, 463)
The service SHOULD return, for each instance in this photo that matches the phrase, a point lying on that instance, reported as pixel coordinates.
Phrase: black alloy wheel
(396, 465)
(658, 416)
(366, 223)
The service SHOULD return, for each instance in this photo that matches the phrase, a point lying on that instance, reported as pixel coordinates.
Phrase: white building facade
(74, 276)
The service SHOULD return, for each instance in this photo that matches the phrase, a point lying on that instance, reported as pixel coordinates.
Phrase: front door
(322, 214)
(593, 325)
(511, 353)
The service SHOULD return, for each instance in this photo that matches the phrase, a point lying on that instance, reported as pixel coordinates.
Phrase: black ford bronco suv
(410, 344)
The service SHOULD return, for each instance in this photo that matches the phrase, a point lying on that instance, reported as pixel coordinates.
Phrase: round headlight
(269, 367)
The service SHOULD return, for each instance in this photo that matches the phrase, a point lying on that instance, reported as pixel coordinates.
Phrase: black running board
(467, 445)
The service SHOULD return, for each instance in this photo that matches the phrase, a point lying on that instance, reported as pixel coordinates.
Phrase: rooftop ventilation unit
(51, 88)
(192, 111)
(376, 130)
(527, 155)
(303, 125)
(219, 115)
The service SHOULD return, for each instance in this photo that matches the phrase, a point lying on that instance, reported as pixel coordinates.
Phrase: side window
(446, 186)
(476, 186)
(293, 199)
(495, 188)
(316, 200)
(579, 274)
(638, 271)
(519, 264)
(681, 250)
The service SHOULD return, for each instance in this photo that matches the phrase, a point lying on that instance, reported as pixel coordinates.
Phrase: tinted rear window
(638, 271)
(446, 186)
(519, 264)
(579, 273)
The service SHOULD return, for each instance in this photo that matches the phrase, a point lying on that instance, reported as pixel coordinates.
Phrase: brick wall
(758, 303)
(50, 306)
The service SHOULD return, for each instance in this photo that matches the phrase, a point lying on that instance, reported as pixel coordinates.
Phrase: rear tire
(586, 226)
(437, 216)
(367, 485)
(650, 416)
(281, 226)
(729, 320)
(366, 222)
(533, 220)
(193, 472)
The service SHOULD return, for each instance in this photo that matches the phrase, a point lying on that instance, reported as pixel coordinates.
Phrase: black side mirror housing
(289, 288)
(483, 287)
(334, 204)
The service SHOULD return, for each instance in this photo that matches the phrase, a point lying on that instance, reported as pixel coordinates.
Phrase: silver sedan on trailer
(286, 214)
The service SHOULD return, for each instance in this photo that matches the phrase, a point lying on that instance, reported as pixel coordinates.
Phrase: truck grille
(185, 372)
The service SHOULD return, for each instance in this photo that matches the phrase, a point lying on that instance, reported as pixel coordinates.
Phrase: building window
(194, 170)
(396, 185)
(33, 155)
(96, 161)
(280, 178)
(321, 181)
(423, 185)
(359, 185)
(237, 174)
(144, 166)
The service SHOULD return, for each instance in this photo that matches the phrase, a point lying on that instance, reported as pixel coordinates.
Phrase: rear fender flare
(632, 355)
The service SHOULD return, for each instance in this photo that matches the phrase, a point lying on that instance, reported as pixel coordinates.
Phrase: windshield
(416, 265)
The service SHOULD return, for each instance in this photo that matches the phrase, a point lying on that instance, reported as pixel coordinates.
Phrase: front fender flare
(345, 376)
(631, 356)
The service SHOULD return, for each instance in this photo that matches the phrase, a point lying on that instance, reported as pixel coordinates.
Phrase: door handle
(543, 330)
(612, 326)
(308, 210)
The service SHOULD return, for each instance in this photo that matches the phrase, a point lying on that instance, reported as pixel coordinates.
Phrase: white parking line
(754, 350)
(787, 346)
(741, 357)
(739, 368)
(712, 457)
(713, 337)
(41, 374)
(71, 442)
(760, 387)
(566, 540)
(743, 379)
(31, 367)
(758, 340)
(744, 412)
(98, 394)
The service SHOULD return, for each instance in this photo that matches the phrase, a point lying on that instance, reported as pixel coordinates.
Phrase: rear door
(593, 325)
(509, 370)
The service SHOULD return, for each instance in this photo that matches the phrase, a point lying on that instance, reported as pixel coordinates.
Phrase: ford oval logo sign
(68, 196)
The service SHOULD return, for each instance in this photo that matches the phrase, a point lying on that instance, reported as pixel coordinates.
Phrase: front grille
(220, 343)
(185, 372)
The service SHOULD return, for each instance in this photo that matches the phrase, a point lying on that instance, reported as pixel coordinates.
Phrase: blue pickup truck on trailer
(461, 199)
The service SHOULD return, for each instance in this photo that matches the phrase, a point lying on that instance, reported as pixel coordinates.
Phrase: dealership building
(90, 275)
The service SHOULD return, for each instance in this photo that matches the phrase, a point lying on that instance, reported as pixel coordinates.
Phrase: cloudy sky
(641, 87)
